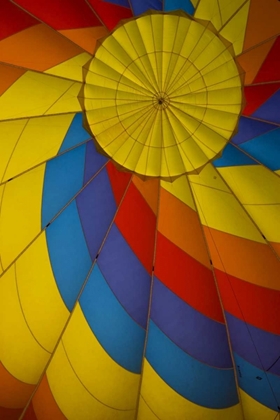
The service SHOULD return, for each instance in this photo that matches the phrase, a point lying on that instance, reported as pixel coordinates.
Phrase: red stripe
(256, 305)
(189, 279)
(13, 19)
(110, 14)
(270, 70)
(257, 95)
(119, 181)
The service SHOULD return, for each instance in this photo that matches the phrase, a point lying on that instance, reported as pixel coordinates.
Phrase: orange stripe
(245, 259)
(22, 49)
(86, 37)
(180, 224)
(44, 404)
(149, 190)
(13, 393)
(8, 76)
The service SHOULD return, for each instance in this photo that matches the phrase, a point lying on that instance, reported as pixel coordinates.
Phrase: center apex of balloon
(162, 95)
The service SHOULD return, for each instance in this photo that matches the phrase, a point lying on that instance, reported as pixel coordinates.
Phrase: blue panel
(185, 5)
(69, 255)
(263, 387)
(257, 346)
(97, 207)
(124, 3)
(233, 157)
(265, 149)
(120, 336)
(76, 134)
(142, 6)
(249, 129)
(196, 334)
(197, 382)
(269, 111)
(94, 161)
(63, 179)
(126, 276)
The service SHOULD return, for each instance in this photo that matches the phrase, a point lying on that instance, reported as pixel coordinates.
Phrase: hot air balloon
(140, 210)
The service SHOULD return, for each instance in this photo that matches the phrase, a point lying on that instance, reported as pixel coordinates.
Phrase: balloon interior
(139, 210)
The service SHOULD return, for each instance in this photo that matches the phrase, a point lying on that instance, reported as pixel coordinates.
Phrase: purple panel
(96, 206)
(94, 161)
(270, 110)
(258, 347)
(195, 333)
(126, 276)
(248, 129)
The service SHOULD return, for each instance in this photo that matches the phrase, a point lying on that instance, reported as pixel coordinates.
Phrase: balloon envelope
(140, 202)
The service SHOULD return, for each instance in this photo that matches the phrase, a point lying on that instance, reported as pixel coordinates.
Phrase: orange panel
(276, 247)
(44, 404)
(13, 393)
(86, 37)
(149, 190)
(245, 259)
(263, 22)
(180, 224)
(22, 49)
(252, 60)
(8, 76)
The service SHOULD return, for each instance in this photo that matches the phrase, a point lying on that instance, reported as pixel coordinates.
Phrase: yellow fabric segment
(162, 95)
(20, 353)
(180, 188)
(258, 190)
(35, 94)
(20, 213)
(26, 143)
(107, 381)
(228, 16)
(72, 397)
(218, 207)
(72, 68)
(166, 404)
(44, 309)
(253, 410)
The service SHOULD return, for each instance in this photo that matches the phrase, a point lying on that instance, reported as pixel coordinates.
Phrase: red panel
(256, 305)
(13, 19)
(257, 95)
(61, 14)
(137, 223)
(110, 14)
(185, 276)
(9, 413)
(270, 70)
(119, 181)
(30, 414)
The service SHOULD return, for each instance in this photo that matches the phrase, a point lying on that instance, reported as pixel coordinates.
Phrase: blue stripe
(196, 334)
(233, 157)
(269, 111)
(265, 148)
(249, 128)
(185, 5)
(76, 134)
(124, 3)
(143, 6)
(120, 336)
(94, 161)
(126, 276)
(97, 207)
(197, 382)
(264, 388)
(68, 253)
(63, 179)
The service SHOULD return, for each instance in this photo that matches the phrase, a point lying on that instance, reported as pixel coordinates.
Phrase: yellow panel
(258, 189)
(41, 302)
(111, 384)
(235, 29)
(26, 143)
(35, 94)
(144, 412)
(20, 213)
(20, 353)
(220, 210)
(10, 132)
(253, 410)
(168, 405)
(180, 188)
(74, 400)
(72, 68)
